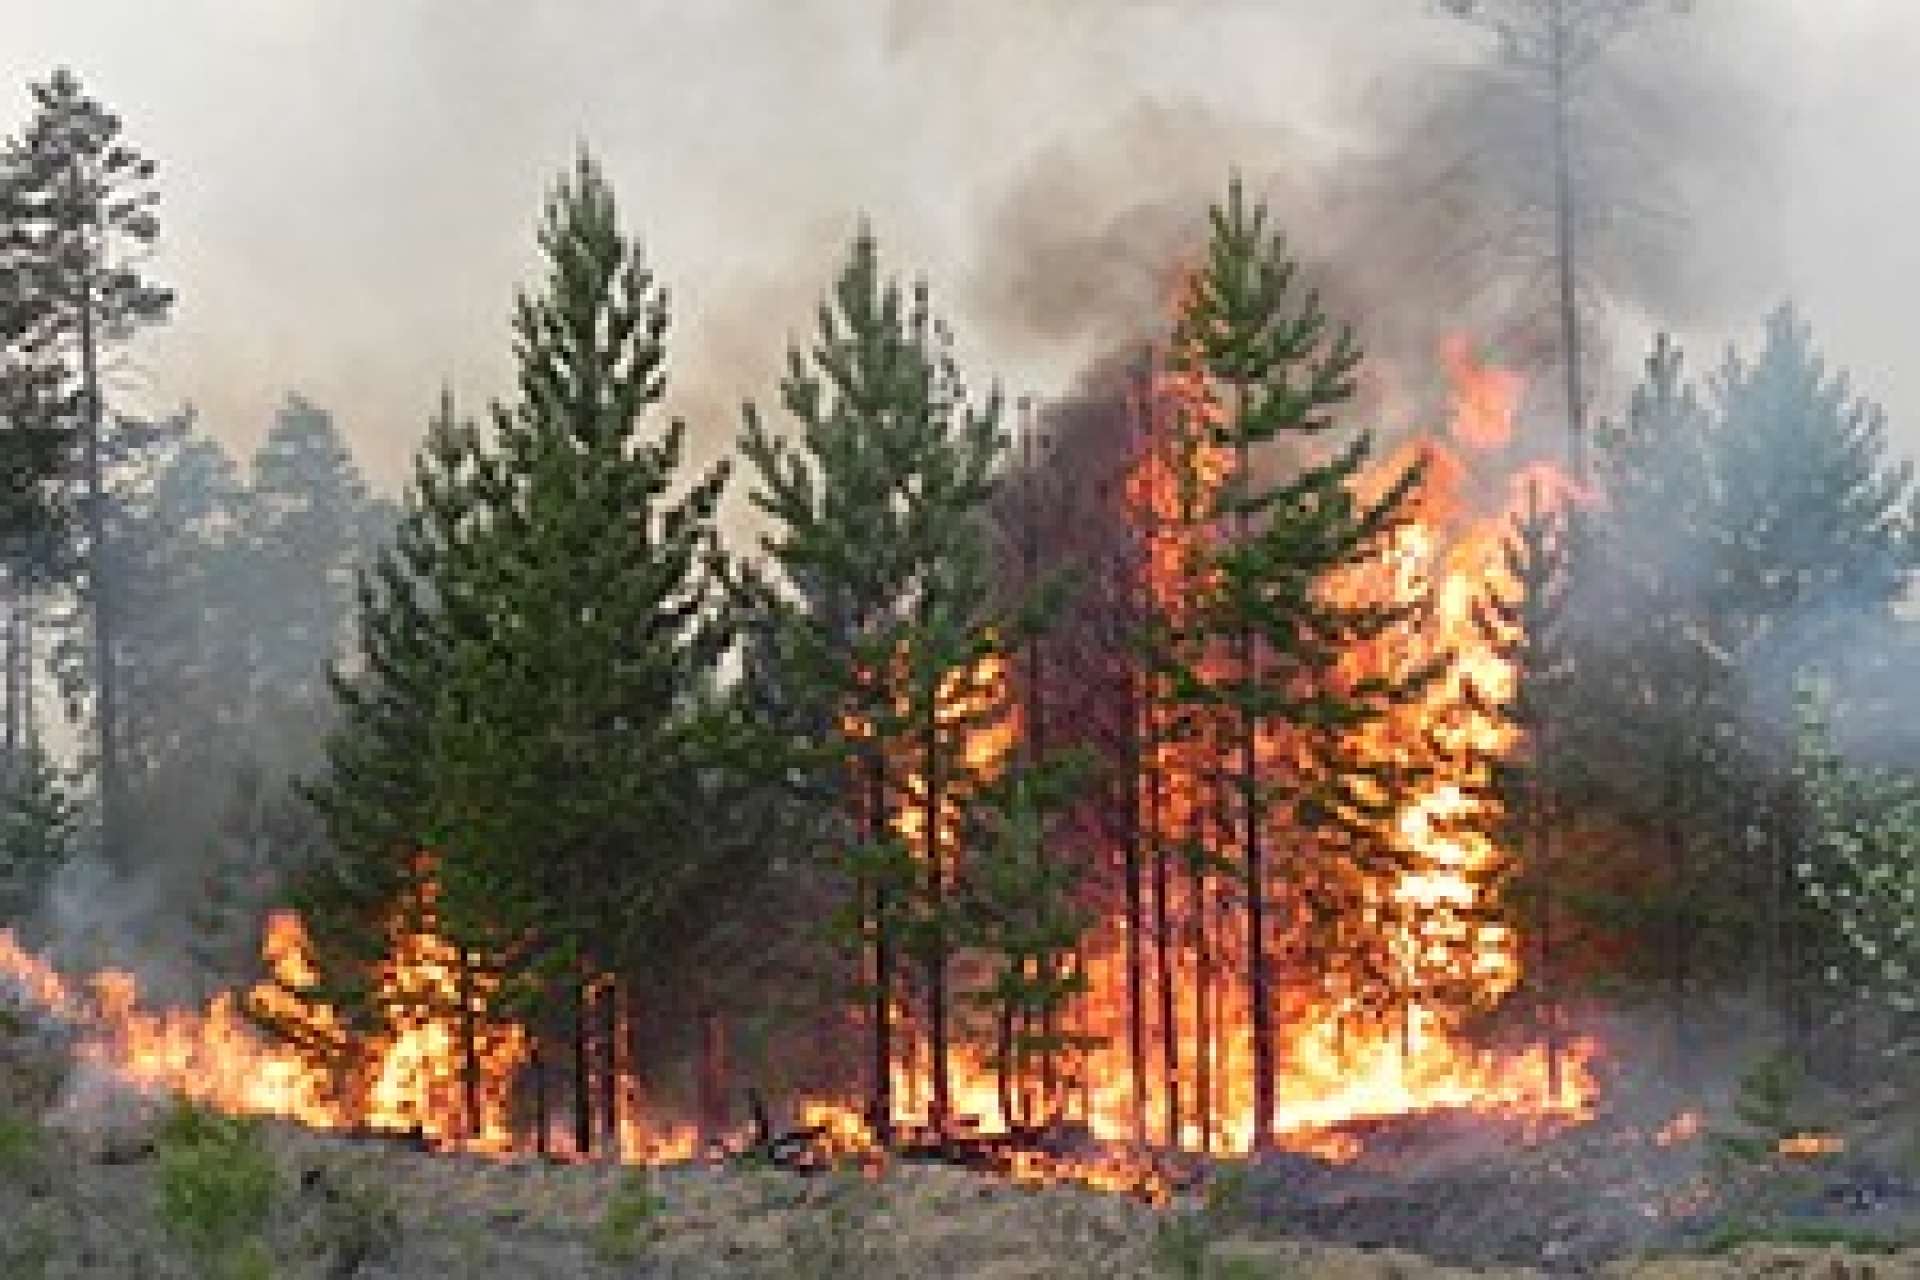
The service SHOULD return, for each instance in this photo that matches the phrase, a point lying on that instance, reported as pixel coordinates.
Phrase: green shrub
(217, 1184)
(1180, 1241)
(630, 1211)
(22, 1142)
(1804, 1235)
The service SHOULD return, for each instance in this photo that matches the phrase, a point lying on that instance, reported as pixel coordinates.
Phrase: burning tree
(528, 716)
(1286, 827)
(1529, 784)
(886, 618)
(1267, 369)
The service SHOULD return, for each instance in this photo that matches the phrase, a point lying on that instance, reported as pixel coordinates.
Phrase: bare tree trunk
(712, 1101)
(469, 1048)
(880, 1083)
(1202, 977)
(537, 1063)
(1564, 245)
(582, 1066)
(610, 1069)
(1253, 861)
(99, 588)
(1131, 782)
(1165, 976)
(935, 966)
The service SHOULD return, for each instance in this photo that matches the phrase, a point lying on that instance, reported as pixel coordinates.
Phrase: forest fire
(1366, 1039)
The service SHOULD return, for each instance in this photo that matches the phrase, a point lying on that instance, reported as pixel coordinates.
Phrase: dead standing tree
(1549, 50)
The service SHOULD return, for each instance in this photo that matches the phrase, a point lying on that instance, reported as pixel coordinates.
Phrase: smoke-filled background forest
(616, 578)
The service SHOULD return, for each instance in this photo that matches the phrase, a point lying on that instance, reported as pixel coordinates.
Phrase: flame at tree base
(218, 1057)
(451, 1079)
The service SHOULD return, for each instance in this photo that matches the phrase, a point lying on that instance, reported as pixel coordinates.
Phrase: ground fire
(1346, 1057)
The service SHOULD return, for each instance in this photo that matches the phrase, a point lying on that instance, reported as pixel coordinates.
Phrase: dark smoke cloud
(1429, 213)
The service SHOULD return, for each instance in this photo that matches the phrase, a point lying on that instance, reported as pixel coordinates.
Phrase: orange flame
(1346, 1053)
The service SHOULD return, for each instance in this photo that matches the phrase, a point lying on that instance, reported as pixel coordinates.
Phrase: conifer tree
(567, 735)
(1027, 910)
(879, 589)
(1653, 696)
(307, 522)
(1529, 779)
(416, 613)
(1813, 547)
(81, 219)
(1811, 520)
(1275, 372)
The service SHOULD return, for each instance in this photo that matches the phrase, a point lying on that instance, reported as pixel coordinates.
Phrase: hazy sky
(350, 186)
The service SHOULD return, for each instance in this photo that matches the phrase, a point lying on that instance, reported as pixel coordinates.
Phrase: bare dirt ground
(1437, 1196)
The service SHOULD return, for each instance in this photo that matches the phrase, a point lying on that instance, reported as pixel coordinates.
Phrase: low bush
(217, 1184)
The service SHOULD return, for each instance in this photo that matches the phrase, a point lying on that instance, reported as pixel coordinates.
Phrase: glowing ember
(1684, 1127)
(1811, 1144)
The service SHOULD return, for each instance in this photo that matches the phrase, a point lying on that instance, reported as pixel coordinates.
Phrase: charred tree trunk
(1565, 248)
(100, 594)
(582, 1066)
(1004, 1066)
(469, 1048)
(1679, 913)
(1130, 785)
(1165, 978)
(634, 1082)
(712, 1084)
(880, 1083)
(1202, 979)
(1253, 860)
(610, 1069)
(935, 968)
(537, 1064)
(1549, 956)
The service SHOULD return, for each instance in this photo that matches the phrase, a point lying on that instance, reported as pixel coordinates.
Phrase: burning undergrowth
(1414, 1109)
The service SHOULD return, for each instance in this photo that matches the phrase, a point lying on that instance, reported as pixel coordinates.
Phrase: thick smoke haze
(350, 189)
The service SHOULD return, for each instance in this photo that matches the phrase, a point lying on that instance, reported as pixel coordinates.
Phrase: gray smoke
(349, 205)
(1429, 213)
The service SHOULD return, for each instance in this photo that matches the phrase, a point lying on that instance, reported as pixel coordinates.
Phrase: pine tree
(1275, 372)
(879, 588)
(82, 206)
(568, 741)
(308, 522)
(1530, 780)
(1653, 696)
(1814, 541)
(266, 834)
(1813, 545)
(178, 710)
(1028, 910)
(416, 613)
